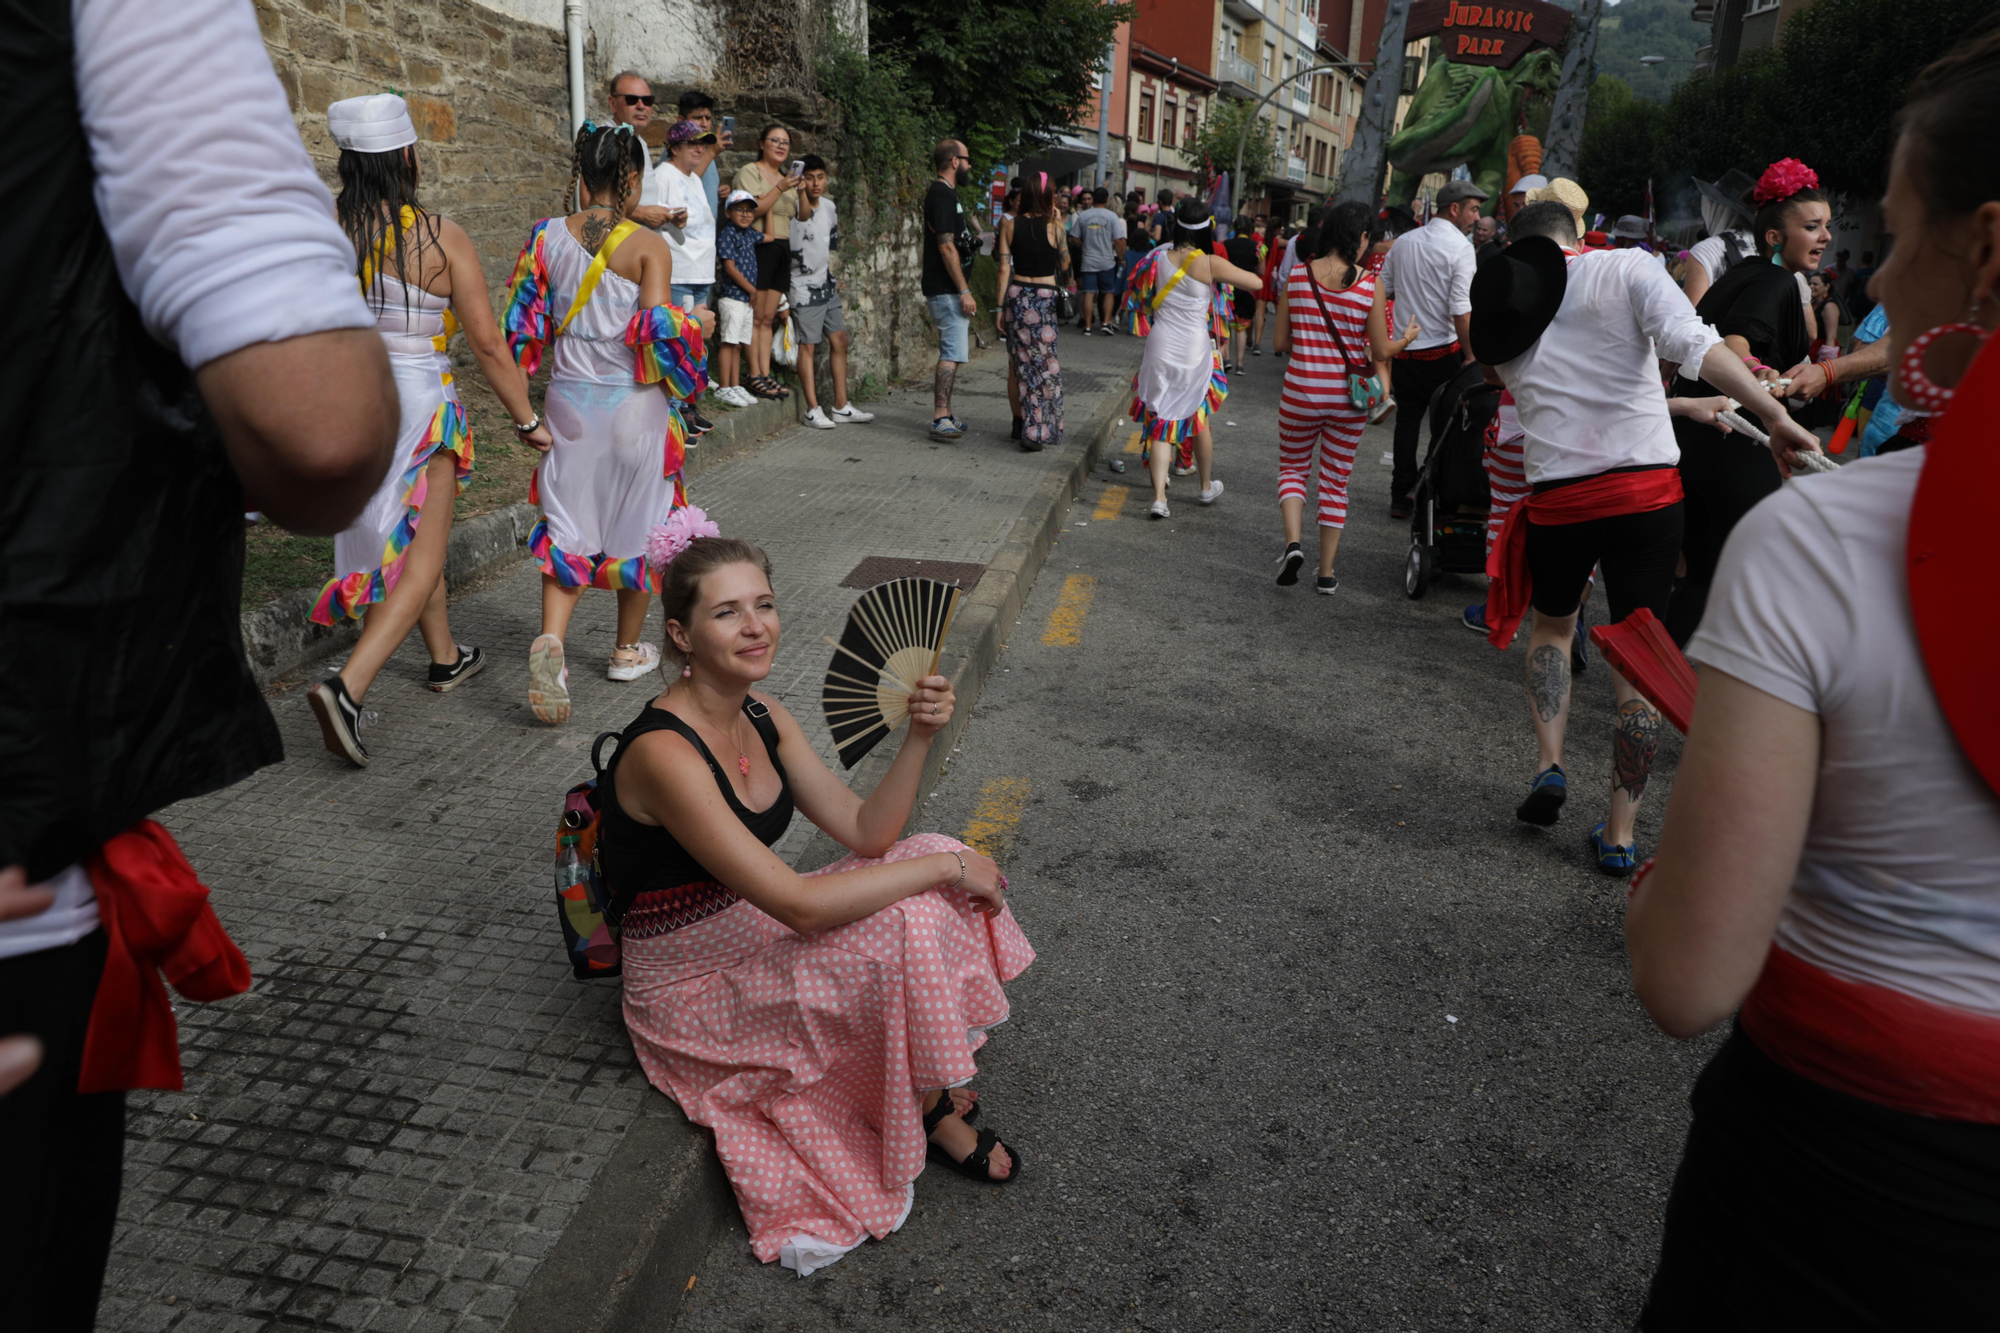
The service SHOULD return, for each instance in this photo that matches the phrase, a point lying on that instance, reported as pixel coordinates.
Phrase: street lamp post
(1242, 140)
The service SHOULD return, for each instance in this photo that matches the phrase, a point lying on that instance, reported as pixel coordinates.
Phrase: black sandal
(976, 1164)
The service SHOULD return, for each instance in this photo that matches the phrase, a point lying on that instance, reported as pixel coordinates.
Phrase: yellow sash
(373, 264)
(1160, 297)
(598, 264)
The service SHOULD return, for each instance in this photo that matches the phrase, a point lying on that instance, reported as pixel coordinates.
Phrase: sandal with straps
(977, 1164)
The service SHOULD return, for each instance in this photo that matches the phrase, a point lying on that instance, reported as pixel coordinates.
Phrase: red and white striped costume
(1506, 468)
(1314, 408)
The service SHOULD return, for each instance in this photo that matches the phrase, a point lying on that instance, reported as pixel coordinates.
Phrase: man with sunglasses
(630, 100)
(946, 287)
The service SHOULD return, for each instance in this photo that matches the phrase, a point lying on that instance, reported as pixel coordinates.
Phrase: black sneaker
(1084, 329)
(697, 424)
(339, 720)
(451, 677)
(1290, 560)
(1402, 511)
(1545, 798)
(1326, 585)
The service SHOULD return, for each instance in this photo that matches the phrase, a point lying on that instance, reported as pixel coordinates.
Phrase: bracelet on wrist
(960, 883)
(534, 424)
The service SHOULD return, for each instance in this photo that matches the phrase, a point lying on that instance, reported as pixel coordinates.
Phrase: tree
(1620, 148)
(1005, 76)
(1212, 151)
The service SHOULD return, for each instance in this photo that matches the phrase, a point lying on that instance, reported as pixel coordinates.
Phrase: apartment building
(1738, 27)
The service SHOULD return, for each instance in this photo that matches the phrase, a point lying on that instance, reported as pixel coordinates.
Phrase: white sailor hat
(373, 124)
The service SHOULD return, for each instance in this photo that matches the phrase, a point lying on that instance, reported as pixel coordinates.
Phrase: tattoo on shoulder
(1633, 746)
(596, 226)
(1548, 680)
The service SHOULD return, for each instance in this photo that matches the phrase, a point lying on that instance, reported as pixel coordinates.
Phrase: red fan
(1639, 649)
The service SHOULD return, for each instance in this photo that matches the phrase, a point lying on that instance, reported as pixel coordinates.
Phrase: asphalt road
(1319, 1037)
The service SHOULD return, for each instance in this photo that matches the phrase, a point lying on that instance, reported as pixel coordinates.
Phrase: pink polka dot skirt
(808, 1054)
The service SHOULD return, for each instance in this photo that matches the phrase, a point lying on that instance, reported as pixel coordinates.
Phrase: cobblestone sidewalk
(392, 1129)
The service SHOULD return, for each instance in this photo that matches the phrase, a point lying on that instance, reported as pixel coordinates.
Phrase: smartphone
(729, 125)
(798, 166)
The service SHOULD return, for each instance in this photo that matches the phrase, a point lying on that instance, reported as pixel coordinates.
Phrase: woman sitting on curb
(822, 1025)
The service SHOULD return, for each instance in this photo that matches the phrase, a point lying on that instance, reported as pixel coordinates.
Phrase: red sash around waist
(1606, 495)
(1875, 1043)
(1429, 353)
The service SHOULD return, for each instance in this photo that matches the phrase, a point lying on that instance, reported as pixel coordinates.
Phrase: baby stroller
(1448, 526)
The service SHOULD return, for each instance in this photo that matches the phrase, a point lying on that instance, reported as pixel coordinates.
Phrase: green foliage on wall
(887, 130)
(1212, 151)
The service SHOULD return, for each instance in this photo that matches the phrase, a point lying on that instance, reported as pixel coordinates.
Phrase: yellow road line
(1111, 503)
(1072, 605)
(1133, 445)
(994, 818)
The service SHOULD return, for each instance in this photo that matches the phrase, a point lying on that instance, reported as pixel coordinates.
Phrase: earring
(687, 670)
(1924, 394)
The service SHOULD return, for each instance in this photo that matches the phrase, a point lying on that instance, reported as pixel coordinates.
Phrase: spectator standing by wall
(689, 230)
(815, 297)
(736, 289)
(1429, 274)
(1100, 235)
(775, 188)
(699, 107)
(946, 285)
(629, 99)
(233, 365)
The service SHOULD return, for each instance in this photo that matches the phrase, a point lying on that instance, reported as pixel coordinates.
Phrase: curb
(626, 1259)
(279, 637)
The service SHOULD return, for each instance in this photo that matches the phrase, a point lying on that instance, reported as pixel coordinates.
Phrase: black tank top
(656, 885)
(1033, 255)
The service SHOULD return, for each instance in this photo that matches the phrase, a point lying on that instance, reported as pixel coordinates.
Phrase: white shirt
(222, 232)
(1713, 255)
(1899, 880)
(1589, 390)
(1285, 262)
(1429, 273)
(694, 244)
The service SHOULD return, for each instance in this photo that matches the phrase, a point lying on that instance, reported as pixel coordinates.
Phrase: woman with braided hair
(412, 265)
(598, 287)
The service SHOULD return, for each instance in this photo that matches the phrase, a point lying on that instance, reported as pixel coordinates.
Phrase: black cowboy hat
(1514, 296)
(1731, 190)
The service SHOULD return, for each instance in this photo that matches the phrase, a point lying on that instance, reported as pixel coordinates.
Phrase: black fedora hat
(1514, 296)
(1731, 190)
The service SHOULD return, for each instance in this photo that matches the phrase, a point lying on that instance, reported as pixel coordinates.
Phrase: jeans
(687, 298)
(953, 324)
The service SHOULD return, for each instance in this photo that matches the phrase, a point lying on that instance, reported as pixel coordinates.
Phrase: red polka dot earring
(1923, 394)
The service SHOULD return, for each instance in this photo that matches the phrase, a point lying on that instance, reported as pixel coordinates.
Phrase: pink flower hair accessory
(1783, 179)
(666, 541)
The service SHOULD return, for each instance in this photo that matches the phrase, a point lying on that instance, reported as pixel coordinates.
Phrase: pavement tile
(392, 1127)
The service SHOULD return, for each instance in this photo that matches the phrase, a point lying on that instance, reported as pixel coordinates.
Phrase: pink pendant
(743, 764)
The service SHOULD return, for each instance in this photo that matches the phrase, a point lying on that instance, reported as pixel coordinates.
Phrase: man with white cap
(1517, 198)
(1429, 275)
(180, 346)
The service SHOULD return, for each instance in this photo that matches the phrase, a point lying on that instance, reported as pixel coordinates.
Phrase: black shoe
(450, 677)
(1400, 511)
(1545, 798)
(339, 720)
(1326, 585)
(1017, 429)
(1290, 560)
(698, 424)
(1579, 653)
(1028, 446)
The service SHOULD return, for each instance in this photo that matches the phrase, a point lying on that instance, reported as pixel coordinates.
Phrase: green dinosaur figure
(1465, 115)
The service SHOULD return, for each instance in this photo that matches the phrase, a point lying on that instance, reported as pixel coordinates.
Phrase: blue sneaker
(1613, 860)
(947, 428)
(1545, 798)
(1475, 618)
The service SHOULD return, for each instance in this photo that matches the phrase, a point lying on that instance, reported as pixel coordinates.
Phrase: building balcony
(1250, 11)
(1302, 96)
(1239, 77)
(1703, 12)
(1295, 170)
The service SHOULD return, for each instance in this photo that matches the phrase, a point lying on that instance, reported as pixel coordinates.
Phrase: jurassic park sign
(1488, 34)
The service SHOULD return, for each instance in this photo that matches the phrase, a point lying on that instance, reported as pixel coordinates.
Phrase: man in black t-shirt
(948, 289)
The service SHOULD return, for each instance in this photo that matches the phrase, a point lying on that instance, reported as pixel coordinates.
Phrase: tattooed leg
(1548, 683)
(947, 372)
(1633, 745)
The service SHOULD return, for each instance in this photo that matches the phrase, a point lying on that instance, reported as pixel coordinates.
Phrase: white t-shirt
(1899, 882)
(1589, 390)
(1284, 271)
(1429, 273)
(815, 236)
(222, 232)
(1713, 255)
(694, 244)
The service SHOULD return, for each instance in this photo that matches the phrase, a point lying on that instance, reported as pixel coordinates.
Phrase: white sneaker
(633, 660)
(1160, 510)
(742, 397)
(548, 680)
(852, 413)
(1179, 471)
(1212, 492)
(818, 419)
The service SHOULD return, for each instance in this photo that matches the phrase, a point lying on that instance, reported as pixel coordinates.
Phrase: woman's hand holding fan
(930, 706)
(884, 668)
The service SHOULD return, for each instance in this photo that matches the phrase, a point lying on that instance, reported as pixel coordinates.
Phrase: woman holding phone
(775, 187)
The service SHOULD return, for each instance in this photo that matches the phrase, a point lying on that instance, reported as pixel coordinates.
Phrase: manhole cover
(881, 568)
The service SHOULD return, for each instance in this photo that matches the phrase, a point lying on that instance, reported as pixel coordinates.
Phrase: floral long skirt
(1031, 341)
